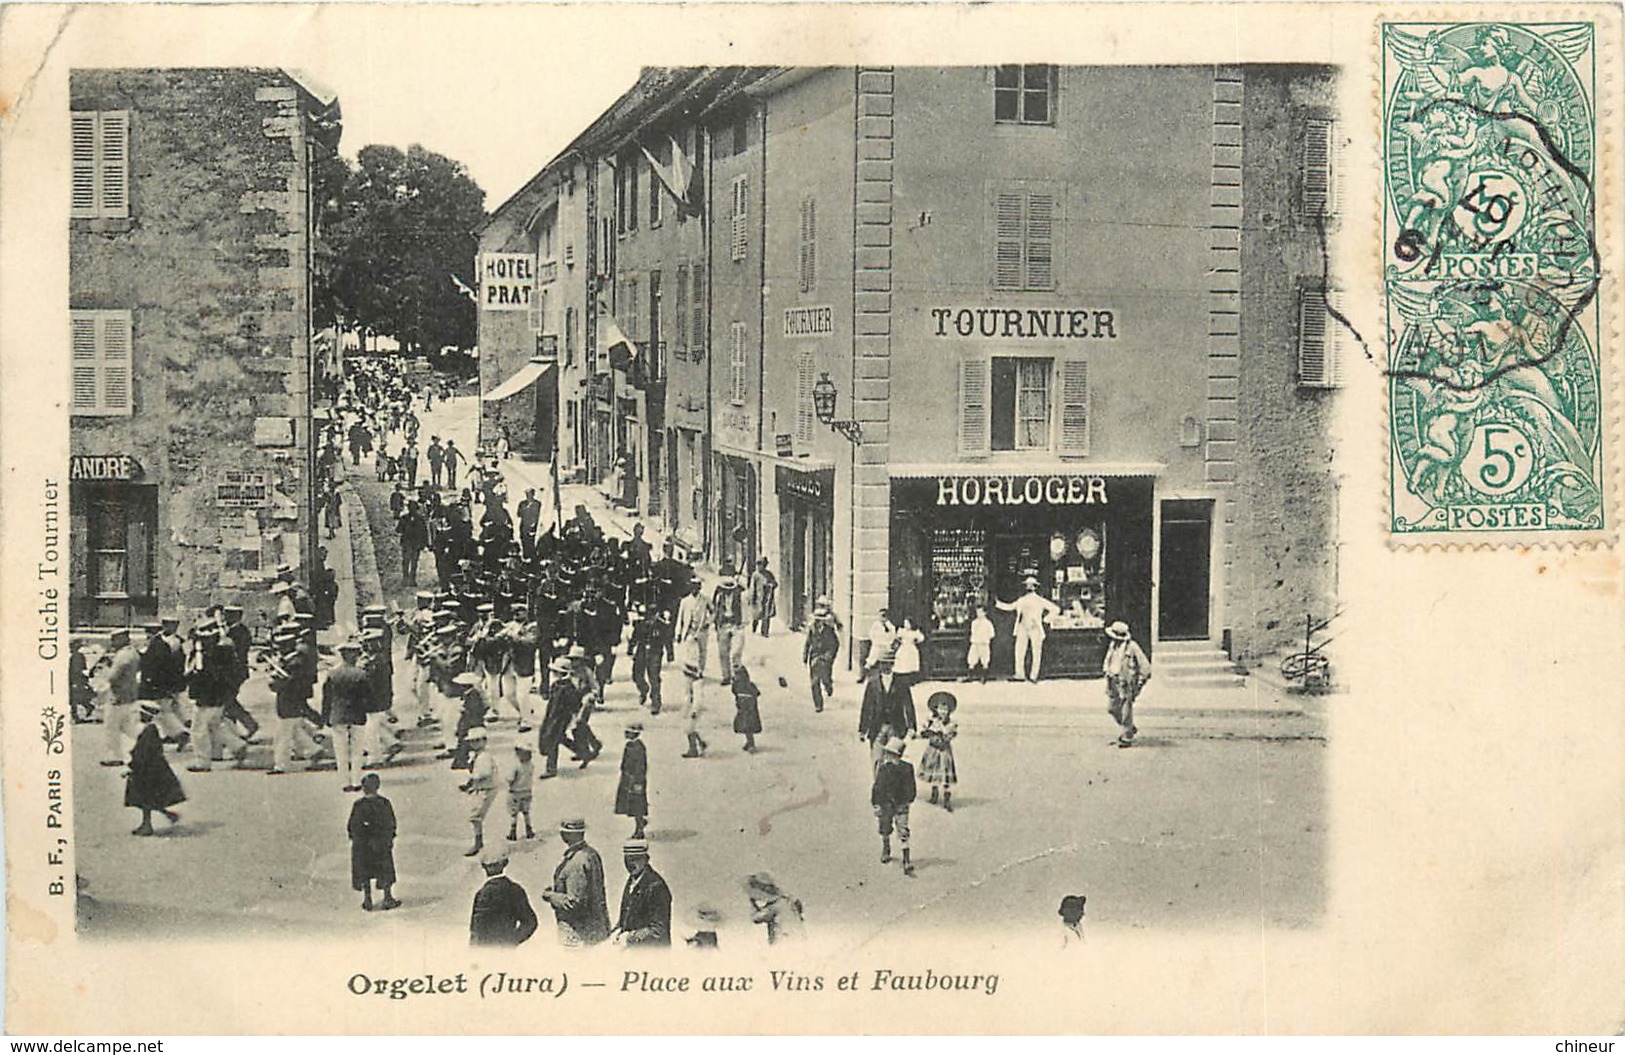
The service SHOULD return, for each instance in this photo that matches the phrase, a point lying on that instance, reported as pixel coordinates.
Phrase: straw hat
(1118, 631)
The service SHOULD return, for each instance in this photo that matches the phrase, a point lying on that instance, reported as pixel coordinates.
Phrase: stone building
(969, 325)
(191, 248)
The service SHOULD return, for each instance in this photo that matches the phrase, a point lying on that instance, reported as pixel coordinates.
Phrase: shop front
(959, 541)
(113, 575)
(736, 540)
(806, 532)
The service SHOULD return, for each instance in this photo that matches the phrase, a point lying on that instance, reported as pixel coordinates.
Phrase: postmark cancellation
(1497, 385)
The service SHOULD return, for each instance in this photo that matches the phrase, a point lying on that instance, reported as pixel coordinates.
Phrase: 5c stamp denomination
(1496, 405)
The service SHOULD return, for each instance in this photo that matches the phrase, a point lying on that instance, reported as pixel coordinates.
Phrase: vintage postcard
(928, 519)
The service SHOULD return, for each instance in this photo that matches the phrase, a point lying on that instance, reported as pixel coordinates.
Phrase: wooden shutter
(973, 398)
(1074, 407)
(1313, 368)
(736, 362)
(83, 205)
(1040, 248)
(736, 247)
(1337, 340)
(807, 261)
(804, 397)
(1007, 238)
(697, 338)
(1317, 168)
(117, 360)
(680, 337)
(85, 361)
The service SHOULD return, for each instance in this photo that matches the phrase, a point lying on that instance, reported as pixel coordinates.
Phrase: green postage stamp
(1498, 406)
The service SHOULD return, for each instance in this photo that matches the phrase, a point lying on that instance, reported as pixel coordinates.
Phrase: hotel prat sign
(1059, 490)
(506, 280)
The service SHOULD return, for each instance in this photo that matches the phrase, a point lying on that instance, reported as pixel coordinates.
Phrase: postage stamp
(1491, 275)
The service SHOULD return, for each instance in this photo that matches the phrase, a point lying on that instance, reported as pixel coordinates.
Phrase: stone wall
(213, 265)
(1285, 553)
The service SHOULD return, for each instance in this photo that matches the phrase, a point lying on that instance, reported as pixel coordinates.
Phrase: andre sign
(506, 280)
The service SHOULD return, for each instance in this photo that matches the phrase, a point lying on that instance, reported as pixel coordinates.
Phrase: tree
(401, 227)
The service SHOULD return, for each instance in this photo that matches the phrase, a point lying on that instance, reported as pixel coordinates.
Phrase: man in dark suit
(888, 708)
(645, 917)
(530, 520)
(502, 914)
(242, 640)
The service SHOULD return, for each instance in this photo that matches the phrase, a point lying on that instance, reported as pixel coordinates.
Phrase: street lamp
(824, 396)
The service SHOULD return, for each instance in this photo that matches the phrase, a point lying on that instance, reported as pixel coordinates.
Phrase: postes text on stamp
(1496, 406)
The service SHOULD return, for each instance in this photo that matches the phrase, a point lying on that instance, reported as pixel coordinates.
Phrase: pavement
(1215, 818)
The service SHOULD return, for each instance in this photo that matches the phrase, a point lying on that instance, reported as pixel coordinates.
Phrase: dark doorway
(1186, 572)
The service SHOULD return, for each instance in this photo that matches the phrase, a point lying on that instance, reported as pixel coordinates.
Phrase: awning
(526, 376)
(1032, 467)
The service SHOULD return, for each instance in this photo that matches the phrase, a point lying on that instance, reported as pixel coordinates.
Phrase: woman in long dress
(372, 844)
(151, 784)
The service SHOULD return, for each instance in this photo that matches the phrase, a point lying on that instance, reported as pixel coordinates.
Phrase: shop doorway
(1186, 571)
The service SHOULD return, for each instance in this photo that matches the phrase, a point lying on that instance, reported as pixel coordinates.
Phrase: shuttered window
(804, 398)
(655, 194)
(101, 165)
(102, 363)
(736, 364)
(973, 400)
(1321, 341)
(569, 335)
(1025, 222)
(697, 338)
(807, 257)
(680, 336)
(741, 208)
(1319, 171)
(1074, 437)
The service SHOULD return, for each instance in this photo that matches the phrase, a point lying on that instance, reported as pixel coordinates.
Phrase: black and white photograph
(916, 526)
(900, 473)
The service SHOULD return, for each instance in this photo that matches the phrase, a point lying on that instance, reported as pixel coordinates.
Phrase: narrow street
(1215, 818)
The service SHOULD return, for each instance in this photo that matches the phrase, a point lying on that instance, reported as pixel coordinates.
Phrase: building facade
(191, 239)
(1064, 323)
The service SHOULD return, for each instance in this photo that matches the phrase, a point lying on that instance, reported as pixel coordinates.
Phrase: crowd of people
(513, 640)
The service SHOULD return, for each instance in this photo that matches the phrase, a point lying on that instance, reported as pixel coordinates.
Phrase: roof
(659, 93)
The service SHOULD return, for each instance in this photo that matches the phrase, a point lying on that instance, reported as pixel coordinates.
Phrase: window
(698, 338)
(632, 312)
(549, 221)
(655, 194)
(741, 133)
(120, 539)
(1026, 219)
(1319, 173)
(1321, 339)
(736, 364)
(606, 247)
(681, 332)
(1010, 403)
(807, 259)
(102, 363)
(1019, 404)
(656, 356)
(1024, 95)
(626, 193)
(569, 335)
(741, 206)
(804, 397)
(631, 166)
(101, 165)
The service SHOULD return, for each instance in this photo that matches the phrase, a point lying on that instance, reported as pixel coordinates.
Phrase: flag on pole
(677, 176)
(464, 290)
(618, 346)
